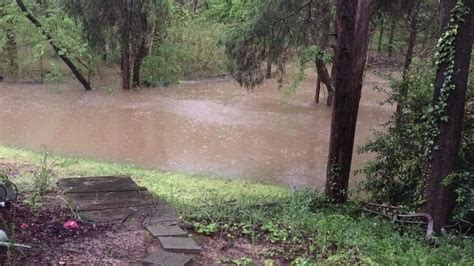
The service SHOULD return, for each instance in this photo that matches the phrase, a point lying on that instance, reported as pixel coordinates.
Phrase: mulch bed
(43, 230)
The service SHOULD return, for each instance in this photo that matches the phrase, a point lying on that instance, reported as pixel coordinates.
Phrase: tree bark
(125, 68)
(393, 24)
(50, 40)
(142, 53)
(441, 199)
(125, 32)
(12, 51)
(318, 89)
(379, 46)
(351, 55)
(325, 78)
(268, 75)
(413, 29)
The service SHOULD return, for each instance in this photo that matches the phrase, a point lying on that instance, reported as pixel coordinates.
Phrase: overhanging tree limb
(50, 40)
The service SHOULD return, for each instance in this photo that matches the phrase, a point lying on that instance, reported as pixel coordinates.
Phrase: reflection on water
(210, 126)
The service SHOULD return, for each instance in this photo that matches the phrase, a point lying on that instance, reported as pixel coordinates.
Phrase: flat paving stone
(158, 230)
(165, 258)
(162, 214)
(180, 244)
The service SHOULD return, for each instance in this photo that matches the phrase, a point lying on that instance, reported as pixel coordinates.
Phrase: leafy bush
(397, 175)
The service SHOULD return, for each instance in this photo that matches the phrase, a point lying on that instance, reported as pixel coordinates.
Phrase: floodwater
(202, 127)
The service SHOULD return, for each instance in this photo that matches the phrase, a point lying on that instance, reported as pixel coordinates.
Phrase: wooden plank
(110, 215)
(110, 200)
(97, 184)
(109, 195)
(90, 206)
(113, 215)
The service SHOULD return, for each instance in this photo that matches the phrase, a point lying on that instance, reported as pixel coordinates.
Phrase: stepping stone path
(117, 198)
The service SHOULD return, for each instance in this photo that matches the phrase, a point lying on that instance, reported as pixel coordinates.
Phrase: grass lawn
(301, 227)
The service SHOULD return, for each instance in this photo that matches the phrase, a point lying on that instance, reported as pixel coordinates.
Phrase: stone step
(180, 245)
(165, 258)
(158, 230)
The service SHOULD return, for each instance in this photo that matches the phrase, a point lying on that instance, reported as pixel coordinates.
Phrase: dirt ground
(121, 243)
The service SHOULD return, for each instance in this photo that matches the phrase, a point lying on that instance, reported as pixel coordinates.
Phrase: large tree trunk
(50, 40)
(351, 55)
(441, 199)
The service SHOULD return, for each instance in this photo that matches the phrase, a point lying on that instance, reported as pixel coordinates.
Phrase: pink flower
(24, 226)
(71, 225)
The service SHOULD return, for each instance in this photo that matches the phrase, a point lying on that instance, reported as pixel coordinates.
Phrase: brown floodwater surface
(201, 127)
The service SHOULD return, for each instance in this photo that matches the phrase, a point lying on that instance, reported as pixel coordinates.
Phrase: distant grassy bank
(300, 226)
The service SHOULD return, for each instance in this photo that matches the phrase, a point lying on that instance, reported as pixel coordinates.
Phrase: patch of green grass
(302, 226)
(179, 189)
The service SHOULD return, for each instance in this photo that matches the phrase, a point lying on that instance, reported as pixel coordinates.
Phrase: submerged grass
(302, 226)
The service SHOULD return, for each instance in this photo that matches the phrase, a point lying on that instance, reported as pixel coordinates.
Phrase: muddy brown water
(201, 127)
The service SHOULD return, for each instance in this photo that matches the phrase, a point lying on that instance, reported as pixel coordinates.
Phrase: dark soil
(43, 230)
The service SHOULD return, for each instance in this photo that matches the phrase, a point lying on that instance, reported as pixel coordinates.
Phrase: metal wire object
(8, 193)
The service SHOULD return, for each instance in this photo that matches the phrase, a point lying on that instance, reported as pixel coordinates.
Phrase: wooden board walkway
(116, 198)
(106, 198)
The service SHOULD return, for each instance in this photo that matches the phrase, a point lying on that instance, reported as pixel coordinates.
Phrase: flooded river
(209, 127)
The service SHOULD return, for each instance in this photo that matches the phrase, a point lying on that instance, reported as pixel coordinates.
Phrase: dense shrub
(397, 175)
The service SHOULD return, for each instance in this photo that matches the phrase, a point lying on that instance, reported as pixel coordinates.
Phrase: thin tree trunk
(441, 199)
(393, 24)
(318, 89)
(125, 62)
(12, 52)
(411, 42)
(407, 63)
(379, 46)
(352, 35)
(268, 75)
(50, 40)
(324, 77)
(142, 53)
(125, 68)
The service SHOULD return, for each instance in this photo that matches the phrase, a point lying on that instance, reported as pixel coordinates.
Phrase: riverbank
(245, 223)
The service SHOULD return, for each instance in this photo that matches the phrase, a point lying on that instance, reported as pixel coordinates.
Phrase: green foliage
(271, 33)
(208, 229)
(397, 175)
(318, 232)
(190, 49)
(42, 180)
(243, 261)
(32, 45)
(54, 74)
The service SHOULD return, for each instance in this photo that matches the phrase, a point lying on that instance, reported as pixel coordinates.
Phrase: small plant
(42, 180)
(239, 262)
(55, 74)
(206, 229)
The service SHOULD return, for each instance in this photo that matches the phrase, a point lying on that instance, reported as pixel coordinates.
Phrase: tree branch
(50, 40)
